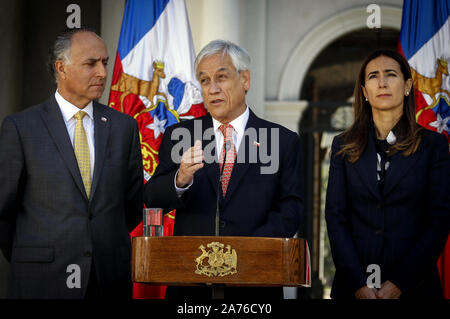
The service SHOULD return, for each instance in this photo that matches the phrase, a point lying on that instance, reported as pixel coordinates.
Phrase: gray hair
(239, 56)
(60, 51)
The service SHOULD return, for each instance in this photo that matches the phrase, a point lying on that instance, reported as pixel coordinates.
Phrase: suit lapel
(101, 135)
(366, 167)
(58, 131)
(398, 167)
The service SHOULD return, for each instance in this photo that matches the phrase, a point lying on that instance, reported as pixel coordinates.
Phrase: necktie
(227, 131)
(80, 145)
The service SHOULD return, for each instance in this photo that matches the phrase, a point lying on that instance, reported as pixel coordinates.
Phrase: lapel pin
(256, 143)
(104, 119)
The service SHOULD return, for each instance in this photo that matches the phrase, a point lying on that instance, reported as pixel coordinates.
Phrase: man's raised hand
(191, 161)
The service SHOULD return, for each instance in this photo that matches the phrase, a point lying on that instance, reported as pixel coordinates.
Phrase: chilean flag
(425, 43)
(154, 81)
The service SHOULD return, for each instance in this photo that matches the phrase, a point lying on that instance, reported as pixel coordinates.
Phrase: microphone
(219, 186)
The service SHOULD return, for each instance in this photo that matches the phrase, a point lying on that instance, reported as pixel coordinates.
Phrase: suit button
(380, 205)
(222, 224)
(379, 232)
(87, 254)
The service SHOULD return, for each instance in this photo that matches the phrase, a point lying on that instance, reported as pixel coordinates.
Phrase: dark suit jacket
(46, 220)
(256, 204)
(403, 229)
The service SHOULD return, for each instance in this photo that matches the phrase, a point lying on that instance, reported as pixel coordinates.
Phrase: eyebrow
(387, 70)
(223, 69)
(96, 59)
(219, 70)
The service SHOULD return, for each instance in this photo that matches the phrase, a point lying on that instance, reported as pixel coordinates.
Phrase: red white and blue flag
(425, 43)
(154, 81)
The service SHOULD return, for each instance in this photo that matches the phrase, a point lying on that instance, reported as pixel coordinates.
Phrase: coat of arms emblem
(216, 261)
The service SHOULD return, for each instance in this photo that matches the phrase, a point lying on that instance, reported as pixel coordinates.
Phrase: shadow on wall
(30, 27)
(4, 268)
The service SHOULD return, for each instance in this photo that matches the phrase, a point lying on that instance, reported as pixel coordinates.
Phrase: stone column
(111, 22)
(220, 20)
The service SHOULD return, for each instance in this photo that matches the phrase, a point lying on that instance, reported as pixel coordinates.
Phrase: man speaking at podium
(238, 174)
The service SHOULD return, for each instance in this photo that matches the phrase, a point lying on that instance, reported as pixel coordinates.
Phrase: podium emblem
(216, 261)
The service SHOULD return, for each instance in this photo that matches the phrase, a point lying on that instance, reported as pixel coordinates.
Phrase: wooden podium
(223, 261)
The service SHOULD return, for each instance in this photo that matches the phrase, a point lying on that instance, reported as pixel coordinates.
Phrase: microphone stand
(218, 290)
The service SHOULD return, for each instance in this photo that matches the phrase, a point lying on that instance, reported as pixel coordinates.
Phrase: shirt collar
(391, 138)
(68, 110)
(238, 123)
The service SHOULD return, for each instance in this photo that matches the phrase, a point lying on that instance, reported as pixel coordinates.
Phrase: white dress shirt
(68, 111)
(239, 125)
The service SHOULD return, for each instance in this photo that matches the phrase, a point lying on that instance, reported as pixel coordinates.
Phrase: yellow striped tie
(80, 145)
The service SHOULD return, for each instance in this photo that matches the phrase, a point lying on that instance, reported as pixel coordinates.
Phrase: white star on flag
(157, 126)
(441, 124)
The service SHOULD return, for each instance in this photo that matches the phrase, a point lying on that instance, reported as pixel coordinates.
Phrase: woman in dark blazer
(388, 190)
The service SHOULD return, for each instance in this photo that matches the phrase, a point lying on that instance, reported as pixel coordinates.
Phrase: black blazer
(256, 204)
(46, 220)
(403, 229)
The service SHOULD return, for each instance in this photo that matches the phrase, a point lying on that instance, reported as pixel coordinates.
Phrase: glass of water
(153, 222)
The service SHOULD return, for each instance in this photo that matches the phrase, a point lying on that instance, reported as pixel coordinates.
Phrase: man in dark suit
(260, 193)
(71, 175)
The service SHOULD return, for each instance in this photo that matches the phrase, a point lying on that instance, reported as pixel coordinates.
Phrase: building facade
(303, 52)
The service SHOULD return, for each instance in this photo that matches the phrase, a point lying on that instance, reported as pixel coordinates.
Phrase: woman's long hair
(408, 131)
